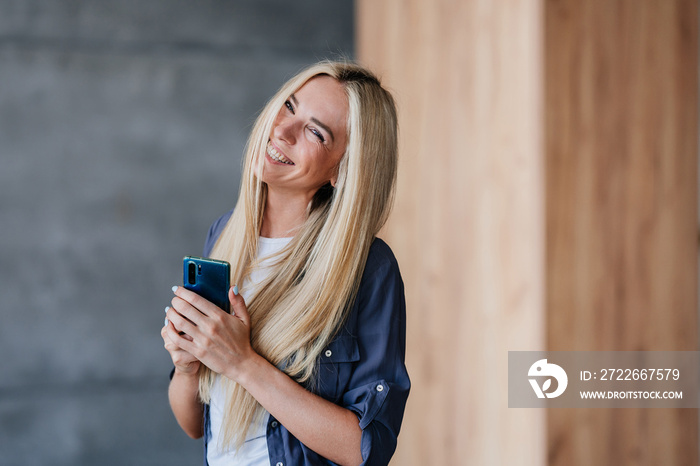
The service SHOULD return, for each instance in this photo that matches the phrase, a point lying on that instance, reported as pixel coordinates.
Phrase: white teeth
(276, 156)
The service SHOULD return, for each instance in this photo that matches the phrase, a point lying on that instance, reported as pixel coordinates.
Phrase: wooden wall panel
(621, 140)
(612, 87)
(468, 225)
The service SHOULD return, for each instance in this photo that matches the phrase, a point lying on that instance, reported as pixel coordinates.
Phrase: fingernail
(235, 290)
(166, 309)
(174, 289)
(166, 321)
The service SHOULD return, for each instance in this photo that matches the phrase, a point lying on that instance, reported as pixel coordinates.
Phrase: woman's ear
(336, 172)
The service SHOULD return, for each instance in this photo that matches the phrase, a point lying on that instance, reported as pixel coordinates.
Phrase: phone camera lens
(192, 273)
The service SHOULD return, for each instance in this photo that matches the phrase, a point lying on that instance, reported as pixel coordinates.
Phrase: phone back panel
(209, 278)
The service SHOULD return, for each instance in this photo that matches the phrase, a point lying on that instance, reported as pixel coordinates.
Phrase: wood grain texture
(621, 141)
(468, 225)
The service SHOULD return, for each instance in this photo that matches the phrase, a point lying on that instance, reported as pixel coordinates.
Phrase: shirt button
(280, 464)
(380, 388)
(329, 353)
(274, 425)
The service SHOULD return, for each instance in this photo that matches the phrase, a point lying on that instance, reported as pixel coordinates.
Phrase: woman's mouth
(277, 156)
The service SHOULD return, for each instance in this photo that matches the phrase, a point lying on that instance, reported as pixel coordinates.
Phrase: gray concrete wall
(121, 129)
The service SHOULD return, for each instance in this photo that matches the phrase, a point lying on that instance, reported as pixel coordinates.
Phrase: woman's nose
(285, 130)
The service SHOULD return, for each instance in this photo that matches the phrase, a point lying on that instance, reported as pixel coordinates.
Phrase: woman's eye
(289, 106)
(318, 135)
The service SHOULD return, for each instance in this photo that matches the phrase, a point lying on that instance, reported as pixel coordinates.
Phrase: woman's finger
(180, 322)
(182, 341)
(202, 305)
(238, 307)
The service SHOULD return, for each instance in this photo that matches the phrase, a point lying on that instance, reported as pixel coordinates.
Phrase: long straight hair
(317, 275)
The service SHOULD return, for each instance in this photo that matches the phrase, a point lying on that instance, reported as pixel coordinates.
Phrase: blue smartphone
(209, 278)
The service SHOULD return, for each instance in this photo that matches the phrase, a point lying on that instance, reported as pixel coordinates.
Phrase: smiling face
(308, 139)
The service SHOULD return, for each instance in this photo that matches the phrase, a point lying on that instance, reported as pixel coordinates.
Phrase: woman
(308, 368)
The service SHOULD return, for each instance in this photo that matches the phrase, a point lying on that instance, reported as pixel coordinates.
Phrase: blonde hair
(317, 275)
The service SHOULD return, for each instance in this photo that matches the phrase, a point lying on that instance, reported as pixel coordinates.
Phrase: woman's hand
(183, 361)
(184, 385)
(220, 340)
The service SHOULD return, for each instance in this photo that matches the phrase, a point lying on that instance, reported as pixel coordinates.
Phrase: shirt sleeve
(379, 385)
(214, 232)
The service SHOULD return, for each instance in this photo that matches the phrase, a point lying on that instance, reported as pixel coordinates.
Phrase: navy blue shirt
(362, 369)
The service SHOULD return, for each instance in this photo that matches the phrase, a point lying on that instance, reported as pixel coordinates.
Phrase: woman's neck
(283, 215)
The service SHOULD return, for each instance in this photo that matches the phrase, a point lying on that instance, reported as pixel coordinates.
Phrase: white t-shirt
(254, 450)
